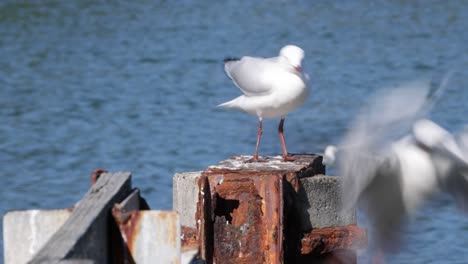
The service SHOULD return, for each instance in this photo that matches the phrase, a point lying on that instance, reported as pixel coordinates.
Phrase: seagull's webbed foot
(256, 159)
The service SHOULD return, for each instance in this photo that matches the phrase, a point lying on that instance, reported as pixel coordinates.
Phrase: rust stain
(204, 219)
(189, 237)
(130, 230)
(95, 175)
(173, 234)
(325, 240)
(129, 224)
(163, 216)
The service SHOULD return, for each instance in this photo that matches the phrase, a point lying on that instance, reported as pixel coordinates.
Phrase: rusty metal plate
(148, 235)
(245, 217)
(325, 240)
(152, 235)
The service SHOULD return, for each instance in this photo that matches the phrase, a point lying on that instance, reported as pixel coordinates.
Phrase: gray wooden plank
(84, 234)
(131, 203)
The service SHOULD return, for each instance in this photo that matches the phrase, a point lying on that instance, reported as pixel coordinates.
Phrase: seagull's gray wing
(252, 75)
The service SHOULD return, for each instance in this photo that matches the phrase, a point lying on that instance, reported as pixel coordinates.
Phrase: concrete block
(156, 238)
(323, 202)
(185, 196)
(26, 232)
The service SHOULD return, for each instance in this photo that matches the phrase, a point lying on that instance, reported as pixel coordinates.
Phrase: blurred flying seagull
(271, 87)
(393, 160)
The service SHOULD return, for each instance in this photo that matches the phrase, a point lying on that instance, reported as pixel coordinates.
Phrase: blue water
(132, 85)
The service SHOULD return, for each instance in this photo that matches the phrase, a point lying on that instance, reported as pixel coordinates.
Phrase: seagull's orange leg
(286, 157)
(255, 157)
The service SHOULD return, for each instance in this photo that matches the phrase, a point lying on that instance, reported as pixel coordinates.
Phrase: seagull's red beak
(298, 68)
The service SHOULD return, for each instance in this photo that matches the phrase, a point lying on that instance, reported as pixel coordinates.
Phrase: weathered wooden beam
(85, 234)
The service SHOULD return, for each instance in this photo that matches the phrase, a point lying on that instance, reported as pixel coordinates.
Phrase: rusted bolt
(95, 175)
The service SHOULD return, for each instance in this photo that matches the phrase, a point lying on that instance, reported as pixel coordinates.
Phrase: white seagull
(393, 160)
(271, 87)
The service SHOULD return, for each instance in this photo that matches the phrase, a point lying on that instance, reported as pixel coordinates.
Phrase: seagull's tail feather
(229, 104)
(228, 61)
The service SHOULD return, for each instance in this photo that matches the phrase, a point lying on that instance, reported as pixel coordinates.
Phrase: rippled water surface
(132, 85)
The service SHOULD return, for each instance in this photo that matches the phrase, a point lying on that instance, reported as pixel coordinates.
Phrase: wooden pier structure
(232, 212)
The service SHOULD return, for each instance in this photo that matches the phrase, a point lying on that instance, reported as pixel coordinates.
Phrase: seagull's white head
(294, 55)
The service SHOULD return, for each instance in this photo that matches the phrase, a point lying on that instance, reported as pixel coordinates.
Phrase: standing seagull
(271, 87)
